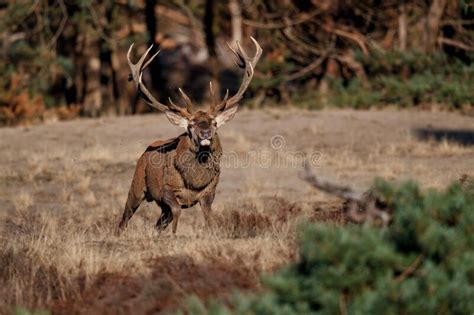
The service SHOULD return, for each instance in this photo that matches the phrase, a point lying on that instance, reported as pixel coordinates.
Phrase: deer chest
(197, 176)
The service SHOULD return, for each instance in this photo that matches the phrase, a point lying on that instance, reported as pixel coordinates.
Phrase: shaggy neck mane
(198, 165)
(204, 154)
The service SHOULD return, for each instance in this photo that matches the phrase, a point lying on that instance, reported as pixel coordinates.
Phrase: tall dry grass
(63, 255)
(53, 259)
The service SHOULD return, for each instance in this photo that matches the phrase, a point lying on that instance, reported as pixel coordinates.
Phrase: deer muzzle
(205, 138)
(205, 142)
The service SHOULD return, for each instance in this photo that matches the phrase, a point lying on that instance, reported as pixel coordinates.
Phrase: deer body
(176, 174)
(179, 173)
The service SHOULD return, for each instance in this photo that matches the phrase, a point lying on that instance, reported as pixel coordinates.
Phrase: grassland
(63, 186)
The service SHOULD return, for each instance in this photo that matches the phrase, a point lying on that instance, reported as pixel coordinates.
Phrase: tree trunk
(69, 45)
(402, 27)
(433, 21)
(208, 28)
(109, 90)
(154, 69)
(92, 103)
(236, 20)
(208, 22)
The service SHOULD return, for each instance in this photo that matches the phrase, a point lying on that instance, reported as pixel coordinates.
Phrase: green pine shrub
(398, 78)
(422, 263)
(353, 95)
(273, 73)
(414, 77)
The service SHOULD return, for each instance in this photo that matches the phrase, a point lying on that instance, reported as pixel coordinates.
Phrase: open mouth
(205, 142)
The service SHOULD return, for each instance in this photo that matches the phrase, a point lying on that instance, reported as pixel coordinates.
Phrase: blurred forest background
(65, 58)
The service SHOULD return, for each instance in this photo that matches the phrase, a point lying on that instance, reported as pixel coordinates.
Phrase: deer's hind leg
(136, 194)
(132, 204)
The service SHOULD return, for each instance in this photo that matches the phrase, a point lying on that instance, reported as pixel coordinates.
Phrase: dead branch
(184, 17)
(288, 33)
(309, 68)
(99, 27)
(454, 43)
(356, 37)
(359, 207)
(411, 269)
(349, 60)
(301, 18)
(191, 19)
(62, 24)
(340, 191)
(456, 22)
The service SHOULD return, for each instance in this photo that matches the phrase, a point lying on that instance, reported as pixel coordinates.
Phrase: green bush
(404, 79)
(21, 311)
(354, 95)
(413, 77)
(423, 263)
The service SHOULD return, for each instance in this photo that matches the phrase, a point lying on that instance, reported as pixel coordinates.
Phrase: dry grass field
(63, 186)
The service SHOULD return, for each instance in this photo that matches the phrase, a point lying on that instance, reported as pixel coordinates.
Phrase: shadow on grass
(171, 280)
(460, 136)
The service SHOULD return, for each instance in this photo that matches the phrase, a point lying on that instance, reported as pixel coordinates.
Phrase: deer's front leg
(206, 200)
(206, 206)
(170, 199)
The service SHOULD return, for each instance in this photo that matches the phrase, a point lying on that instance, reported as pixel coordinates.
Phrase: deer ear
(177, 120)
(225, 116)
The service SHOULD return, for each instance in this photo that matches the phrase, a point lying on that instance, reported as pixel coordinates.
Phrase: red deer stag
(182, 171)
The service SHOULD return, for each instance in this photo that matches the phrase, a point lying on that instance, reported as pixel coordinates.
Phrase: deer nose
(205, 134)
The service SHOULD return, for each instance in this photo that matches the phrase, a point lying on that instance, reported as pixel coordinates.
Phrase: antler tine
(137, 76)
(240, 62)
(248, 63)
(177, 108)
(187, 100)
(222, 104)
(137, 67)
(214, 104)
(226, 95)
(258, 51)
(171, 102)
(151, 59)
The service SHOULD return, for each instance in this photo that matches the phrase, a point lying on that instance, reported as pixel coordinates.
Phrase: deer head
(201, 125)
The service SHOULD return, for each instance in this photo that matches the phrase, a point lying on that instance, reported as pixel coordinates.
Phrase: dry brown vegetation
(63, 187)
(67, 260)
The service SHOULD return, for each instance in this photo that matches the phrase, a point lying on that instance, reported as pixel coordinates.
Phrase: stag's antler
(244, 62)
(137, 73)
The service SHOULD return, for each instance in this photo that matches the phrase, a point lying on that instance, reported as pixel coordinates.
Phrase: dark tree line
(61, 58)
